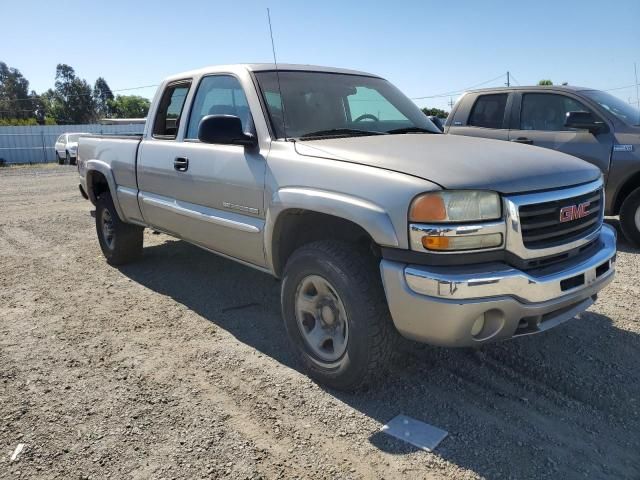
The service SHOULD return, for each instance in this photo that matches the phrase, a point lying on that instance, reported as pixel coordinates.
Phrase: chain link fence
(36, 144)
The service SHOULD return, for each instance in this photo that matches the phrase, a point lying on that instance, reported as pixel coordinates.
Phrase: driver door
(208, 194)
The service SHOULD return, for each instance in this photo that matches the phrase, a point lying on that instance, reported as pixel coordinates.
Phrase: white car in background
(67, 148)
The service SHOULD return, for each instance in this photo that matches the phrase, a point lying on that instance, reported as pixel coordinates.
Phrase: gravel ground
(178, 367)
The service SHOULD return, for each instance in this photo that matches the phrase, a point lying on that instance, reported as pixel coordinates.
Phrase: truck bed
(120, 154)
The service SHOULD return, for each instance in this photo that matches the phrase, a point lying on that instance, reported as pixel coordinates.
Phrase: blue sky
(424, 47)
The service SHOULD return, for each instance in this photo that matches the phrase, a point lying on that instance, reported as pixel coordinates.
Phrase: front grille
(542, 228)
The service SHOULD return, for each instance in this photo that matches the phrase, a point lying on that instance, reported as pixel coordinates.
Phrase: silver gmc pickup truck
(376, 223)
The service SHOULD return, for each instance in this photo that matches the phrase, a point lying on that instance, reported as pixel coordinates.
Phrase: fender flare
(370, 217)
(103, 168)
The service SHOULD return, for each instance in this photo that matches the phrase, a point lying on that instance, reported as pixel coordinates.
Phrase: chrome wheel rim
(637, 218)
(321, 319)
(108, 233)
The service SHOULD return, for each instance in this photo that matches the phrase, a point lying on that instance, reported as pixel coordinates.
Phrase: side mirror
(224, 129)
(437, 122)
(584, 121)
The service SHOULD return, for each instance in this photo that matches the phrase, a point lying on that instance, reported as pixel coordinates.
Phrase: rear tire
(67, 159)
(331, 286)
(630, 217)
(59, 159)
(120, 242)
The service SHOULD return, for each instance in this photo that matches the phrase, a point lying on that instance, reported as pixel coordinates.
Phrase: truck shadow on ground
(566, 402)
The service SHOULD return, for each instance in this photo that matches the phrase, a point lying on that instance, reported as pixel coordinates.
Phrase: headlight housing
(455, 206)
(456, 220)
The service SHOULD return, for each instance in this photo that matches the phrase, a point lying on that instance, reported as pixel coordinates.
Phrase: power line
(446, 94)
(618, 88)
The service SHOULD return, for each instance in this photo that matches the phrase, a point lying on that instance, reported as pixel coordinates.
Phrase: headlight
(441, 221)
(455, 206)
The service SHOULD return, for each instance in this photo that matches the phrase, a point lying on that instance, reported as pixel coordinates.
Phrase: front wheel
(336, 315)
(630, 217)
(59, 159)
(67, 159)
(120, 242)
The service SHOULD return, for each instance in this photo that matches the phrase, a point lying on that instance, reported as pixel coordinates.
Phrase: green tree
(15, 100)
(545, 82)
(72, 99)
(103, 96)
(129, 106)
(435, 112)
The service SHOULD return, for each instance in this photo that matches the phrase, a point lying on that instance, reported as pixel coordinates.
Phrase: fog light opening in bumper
(487, 325)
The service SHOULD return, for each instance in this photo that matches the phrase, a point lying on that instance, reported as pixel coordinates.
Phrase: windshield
(621, 109)
(320, 104)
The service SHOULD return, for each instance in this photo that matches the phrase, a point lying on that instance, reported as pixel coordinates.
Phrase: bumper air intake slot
(573, 282)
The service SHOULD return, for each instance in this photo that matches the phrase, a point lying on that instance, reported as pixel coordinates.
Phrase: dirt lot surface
(178, 367)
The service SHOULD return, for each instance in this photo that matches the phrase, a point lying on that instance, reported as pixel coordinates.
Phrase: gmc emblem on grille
(574, 212)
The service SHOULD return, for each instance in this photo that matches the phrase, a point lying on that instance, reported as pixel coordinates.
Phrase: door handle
(525, 140)
(181, 164)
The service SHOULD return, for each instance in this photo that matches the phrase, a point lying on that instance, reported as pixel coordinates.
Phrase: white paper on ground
(17, 452)
(417, 433)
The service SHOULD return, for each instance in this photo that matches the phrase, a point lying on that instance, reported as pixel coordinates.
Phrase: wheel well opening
(629, 186)
(295, 228)
(96, 184)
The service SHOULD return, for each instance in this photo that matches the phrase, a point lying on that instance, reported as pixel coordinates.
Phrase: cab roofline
(542, 88)
(262, 67)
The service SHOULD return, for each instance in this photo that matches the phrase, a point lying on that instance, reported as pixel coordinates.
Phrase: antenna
(275, 61)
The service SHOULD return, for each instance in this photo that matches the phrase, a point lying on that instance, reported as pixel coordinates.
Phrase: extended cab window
(547, 111)
(167, 118)
(488, 111)
(219, 95)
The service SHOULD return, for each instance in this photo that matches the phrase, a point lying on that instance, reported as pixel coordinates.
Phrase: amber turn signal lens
(471, 242)
(435, 243)
(428, 208)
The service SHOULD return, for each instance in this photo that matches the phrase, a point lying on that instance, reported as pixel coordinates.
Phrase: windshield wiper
(409, 130)
(340, 132)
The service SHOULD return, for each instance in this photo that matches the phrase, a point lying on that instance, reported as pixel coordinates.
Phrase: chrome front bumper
(440, 305)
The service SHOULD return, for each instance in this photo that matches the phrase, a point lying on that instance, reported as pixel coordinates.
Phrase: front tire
(630, 217)
(120, 242)
(59, 159)
(67, 159)
(336, 315)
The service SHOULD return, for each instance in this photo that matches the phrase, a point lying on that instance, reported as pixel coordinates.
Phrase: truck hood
(456, 162)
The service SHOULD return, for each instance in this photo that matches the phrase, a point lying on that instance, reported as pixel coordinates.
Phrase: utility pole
(635, 69)
(451, 103)
(508, 84)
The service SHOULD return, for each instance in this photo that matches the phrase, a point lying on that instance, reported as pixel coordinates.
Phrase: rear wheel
(59, 159)
(67, 159)
(336, 315)
(630, 217)
(120, 242)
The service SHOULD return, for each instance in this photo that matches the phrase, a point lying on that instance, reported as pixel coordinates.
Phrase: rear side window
(167, 118)
(219, 95)
(488, 111)
(547, 111)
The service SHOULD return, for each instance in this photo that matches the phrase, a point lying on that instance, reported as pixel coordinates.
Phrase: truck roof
(568, 88)
(260, 67)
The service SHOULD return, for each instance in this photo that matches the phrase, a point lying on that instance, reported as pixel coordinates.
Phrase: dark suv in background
(590, 124)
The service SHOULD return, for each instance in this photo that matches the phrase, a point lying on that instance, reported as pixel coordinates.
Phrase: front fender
(368, 215)
(92, 166)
